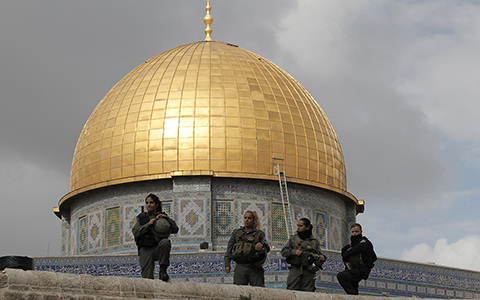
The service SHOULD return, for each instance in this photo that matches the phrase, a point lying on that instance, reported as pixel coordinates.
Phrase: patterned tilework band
(206, 210)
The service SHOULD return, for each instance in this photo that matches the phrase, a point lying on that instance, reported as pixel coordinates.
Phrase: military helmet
(162, 227)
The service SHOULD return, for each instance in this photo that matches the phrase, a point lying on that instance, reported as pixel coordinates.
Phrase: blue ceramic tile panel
(223, 222)
(167, 208)
(112, 227)
(279, 230)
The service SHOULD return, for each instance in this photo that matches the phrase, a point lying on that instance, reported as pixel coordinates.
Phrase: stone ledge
(40, 285)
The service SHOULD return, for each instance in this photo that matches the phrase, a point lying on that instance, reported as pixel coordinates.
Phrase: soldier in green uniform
(248, 247)
(152, 238)
(303, 253)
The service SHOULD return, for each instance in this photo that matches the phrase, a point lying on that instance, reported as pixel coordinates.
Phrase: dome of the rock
(207, 108)
(204, 125)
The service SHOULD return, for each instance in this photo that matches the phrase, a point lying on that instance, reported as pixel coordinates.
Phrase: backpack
(369, 257)
(243, 250)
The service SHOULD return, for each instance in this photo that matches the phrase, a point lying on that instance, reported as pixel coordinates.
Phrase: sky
(399, 81)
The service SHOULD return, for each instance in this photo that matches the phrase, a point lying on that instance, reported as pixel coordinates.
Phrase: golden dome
(207, 108)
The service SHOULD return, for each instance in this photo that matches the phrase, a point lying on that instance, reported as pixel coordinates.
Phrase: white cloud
(393, 227)
(464, 253)
(350, 56)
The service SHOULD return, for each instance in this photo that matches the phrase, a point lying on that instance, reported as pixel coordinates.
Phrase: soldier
(303, 253)
(358, 257)
(248, 248)
(151, 232)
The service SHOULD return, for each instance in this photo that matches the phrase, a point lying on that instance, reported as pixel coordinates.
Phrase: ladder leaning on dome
(288, 216)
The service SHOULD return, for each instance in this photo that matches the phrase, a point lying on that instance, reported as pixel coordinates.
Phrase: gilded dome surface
(207, 108)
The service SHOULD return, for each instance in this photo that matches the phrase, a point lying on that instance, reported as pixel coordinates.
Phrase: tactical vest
(148, 238)
(354, 261)
(300, 244)
(367, 258)
(243, 250)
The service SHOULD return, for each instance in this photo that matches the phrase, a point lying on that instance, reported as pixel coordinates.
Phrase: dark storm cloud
(397, 79)
(59, 58)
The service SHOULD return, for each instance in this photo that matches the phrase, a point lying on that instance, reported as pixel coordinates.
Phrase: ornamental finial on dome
(208, 20)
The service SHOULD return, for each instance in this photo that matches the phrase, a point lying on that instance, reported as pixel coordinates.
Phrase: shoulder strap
(256, 236)
(143, 218)
(314, 244)
(297, 241)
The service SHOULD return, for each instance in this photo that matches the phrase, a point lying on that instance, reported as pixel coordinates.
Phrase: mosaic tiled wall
(65, 237)
(112, 227)
(191, 209)
(223, 220)
(261, 207)
(345, 233)
(167, 207)
(389, 277)
(82, 235)
(279, 227)
(321, 228)
(73, 237)
(206, 210)
(192, 216)
(95, 231)
(303, 212)
(110, 215)
(130, 213)
(336, 233)
(305, 201)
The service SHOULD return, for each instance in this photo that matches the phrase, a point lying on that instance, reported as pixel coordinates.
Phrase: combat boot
(163, 273)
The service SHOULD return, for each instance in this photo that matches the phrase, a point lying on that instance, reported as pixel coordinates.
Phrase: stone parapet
(40, 285)
(390, 277)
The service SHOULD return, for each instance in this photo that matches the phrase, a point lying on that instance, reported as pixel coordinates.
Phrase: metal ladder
(288, 216)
